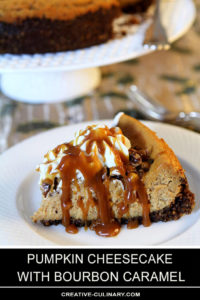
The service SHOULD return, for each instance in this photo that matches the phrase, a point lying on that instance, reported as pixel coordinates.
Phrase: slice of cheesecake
(106, 177)
(165, 182)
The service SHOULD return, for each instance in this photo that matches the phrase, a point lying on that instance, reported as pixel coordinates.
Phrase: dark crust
(139, 7)
(183, 204)
(44, 35)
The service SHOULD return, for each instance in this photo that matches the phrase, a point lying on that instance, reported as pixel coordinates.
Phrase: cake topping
(102, 144)
(95, 156)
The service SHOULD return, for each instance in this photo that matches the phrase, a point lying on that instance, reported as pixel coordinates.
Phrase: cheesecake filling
(95, 156)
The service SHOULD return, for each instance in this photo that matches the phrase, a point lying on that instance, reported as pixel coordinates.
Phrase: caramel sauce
(46, 186)
(97, 180)
(132, 224)
(71, 229)
(143, 198)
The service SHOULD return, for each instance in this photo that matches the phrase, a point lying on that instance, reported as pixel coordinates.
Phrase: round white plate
(20, 194)
(177, 17)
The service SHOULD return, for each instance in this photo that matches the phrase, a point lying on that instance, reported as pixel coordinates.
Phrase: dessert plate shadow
(21, 196)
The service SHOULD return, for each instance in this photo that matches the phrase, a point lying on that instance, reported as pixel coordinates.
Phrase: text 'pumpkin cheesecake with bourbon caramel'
(106, 177)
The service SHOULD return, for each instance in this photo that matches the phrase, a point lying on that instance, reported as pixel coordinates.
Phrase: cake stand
(62, 76)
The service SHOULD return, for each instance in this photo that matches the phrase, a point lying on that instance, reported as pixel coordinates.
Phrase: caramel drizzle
(96, 179)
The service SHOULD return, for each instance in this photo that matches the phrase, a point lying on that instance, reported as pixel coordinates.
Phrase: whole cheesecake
(40, 26)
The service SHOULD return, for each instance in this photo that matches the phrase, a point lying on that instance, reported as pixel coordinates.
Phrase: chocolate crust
(183, 204)
(44, 35)
(138, 7)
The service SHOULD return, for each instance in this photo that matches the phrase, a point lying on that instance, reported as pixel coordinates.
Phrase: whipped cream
(116, 119)
(117, 141)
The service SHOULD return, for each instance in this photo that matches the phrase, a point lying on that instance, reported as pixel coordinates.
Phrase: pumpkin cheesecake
(108, 176)
(40, 26)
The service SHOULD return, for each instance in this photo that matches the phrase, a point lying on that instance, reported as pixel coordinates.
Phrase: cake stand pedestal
(49, 86)
(56, 77)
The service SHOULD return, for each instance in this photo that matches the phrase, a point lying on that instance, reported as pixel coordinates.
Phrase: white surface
(177, 16)
(49, 86)
(20, 196)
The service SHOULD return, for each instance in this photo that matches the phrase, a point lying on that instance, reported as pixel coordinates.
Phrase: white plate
(177, 16)
(20, 194)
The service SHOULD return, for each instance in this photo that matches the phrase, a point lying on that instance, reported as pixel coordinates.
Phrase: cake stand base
(49, 87)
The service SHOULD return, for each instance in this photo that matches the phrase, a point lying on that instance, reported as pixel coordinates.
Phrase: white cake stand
(66, 75)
